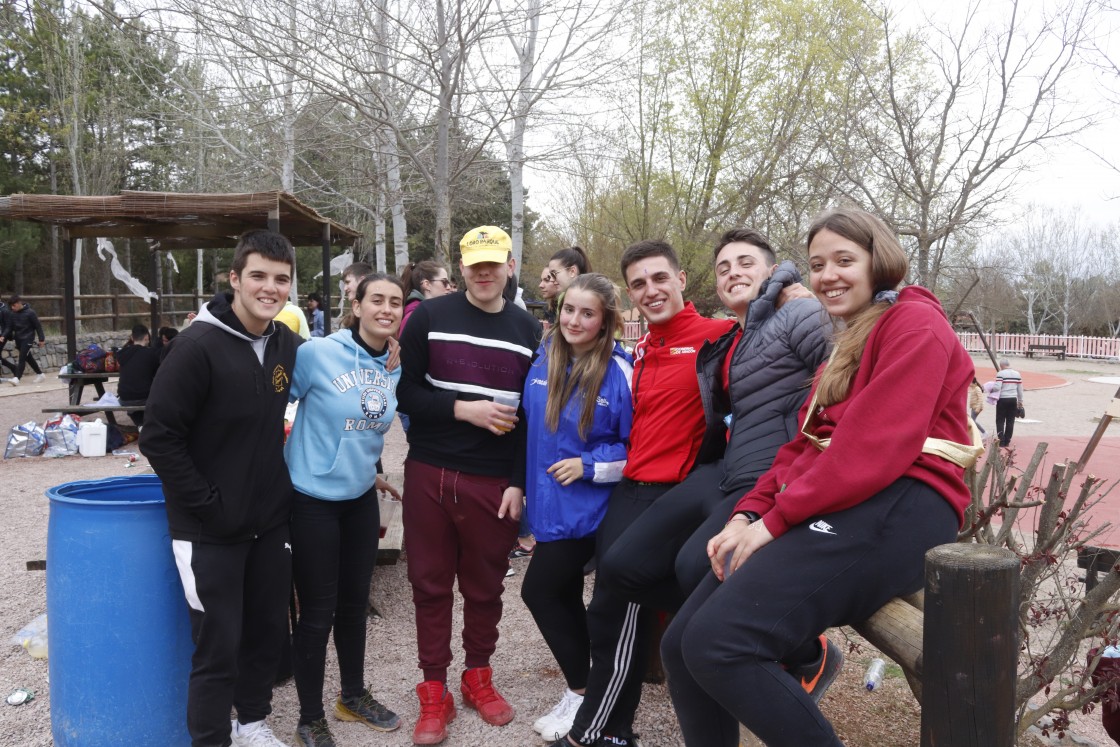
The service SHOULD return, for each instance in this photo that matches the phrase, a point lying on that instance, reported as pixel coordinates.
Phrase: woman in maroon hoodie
(841, 522)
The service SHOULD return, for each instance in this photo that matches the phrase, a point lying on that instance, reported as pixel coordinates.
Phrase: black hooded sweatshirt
(214, 427)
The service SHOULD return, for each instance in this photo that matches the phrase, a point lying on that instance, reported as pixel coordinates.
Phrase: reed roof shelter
(172, 220)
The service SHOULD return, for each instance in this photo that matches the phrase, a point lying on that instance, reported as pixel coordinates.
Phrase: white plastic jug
(91, 438)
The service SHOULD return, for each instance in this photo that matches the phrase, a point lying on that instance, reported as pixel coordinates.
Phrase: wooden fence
(1012, 344)
(114, 307)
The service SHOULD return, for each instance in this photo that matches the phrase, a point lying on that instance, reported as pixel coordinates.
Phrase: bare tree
(554, 50)
(951, 117)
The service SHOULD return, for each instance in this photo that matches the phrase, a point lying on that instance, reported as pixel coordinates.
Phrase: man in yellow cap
(463, 494)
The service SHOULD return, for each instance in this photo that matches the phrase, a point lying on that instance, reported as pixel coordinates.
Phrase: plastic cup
(513, 400)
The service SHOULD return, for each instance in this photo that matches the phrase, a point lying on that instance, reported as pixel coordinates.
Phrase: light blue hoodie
(347, 403)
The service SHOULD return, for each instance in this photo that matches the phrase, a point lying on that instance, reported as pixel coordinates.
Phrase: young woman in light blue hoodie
(347, 400)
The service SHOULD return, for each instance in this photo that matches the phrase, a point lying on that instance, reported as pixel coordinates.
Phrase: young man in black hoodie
(213, 432)
(23, 325)
(5, 320)
(139, 363)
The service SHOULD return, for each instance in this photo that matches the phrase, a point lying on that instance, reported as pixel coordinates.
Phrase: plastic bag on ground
(33, 637)
(25, 440)
(61, 432)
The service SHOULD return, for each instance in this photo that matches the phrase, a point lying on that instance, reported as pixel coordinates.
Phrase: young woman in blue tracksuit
(578, 404)
(347, 401)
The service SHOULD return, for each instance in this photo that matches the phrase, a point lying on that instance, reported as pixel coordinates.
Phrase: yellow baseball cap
(485, 244)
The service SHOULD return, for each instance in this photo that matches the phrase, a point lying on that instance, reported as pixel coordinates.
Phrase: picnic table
(77, 384)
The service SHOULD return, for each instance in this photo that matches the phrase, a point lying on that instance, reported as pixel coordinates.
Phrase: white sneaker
(256, 734)
(558, 722)
(13, 381)
(40, 379)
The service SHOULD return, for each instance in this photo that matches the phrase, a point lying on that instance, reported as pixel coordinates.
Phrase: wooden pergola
(172, 220)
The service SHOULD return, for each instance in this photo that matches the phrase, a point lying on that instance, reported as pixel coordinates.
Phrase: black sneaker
(817, 676)
(315, 734)
(521, 552)
(364, 709)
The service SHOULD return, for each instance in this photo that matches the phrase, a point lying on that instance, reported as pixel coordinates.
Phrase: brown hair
(588, 372)
(415, 273)
(268, 244)
(573, 256)
(889, 266)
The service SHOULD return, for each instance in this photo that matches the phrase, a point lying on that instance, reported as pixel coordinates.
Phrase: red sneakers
(437, 710)
(479, 693)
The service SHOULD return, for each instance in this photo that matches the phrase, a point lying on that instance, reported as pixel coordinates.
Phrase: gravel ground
(524, 669)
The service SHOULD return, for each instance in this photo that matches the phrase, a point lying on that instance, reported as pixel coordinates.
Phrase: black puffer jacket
(770, 374)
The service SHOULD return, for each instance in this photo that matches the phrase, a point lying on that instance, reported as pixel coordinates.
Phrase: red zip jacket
(912, 383)
(668, 415)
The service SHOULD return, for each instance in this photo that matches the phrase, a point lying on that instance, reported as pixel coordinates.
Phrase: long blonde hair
(889, 266)
(589, 370)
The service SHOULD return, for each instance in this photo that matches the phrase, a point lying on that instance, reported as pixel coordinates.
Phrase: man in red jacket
(665, 438)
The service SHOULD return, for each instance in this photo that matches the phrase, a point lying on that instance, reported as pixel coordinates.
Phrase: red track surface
(1104, 463)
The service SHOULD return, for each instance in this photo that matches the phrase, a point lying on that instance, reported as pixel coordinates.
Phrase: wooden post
(325, 306)
(971, 646)
(69, 293)
(156, 304)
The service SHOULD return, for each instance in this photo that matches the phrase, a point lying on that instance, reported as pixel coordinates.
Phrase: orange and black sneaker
(816, 676)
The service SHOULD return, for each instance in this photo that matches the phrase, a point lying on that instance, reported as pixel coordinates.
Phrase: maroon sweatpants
(452, 529)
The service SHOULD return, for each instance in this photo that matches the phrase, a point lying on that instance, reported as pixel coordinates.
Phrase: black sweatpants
(663, 556)
(1006, 408)
(334, 550)
(722, 651)
(620, 630)
(553, 592)
(238, 595)
(26, 358)
(4, 361)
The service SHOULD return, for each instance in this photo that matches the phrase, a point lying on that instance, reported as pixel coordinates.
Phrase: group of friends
(733, 472)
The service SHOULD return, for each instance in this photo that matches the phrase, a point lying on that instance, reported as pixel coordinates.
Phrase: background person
(563, 267)
(5, 314)
(578, 407)
(347, 397)
(843, 523)
(315, 314)
(138, 365)
(23, 327)
(422, 280)
(351, 276)
(1009, 400)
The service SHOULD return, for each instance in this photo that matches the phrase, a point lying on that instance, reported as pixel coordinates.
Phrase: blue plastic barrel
(118, 635)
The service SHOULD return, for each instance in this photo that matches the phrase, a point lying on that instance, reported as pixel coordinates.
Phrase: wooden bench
(392, 533)
(78, 381)
(1096, 560)
(93, 408)
(1058, 350)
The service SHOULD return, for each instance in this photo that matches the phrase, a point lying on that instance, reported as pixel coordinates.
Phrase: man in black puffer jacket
(752, 380)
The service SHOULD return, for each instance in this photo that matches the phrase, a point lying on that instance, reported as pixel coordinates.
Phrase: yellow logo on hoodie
(280, 378)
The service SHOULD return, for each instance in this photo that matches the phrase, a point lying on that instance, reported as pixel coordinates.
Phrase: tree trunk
(527, 57)
(396, 200)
